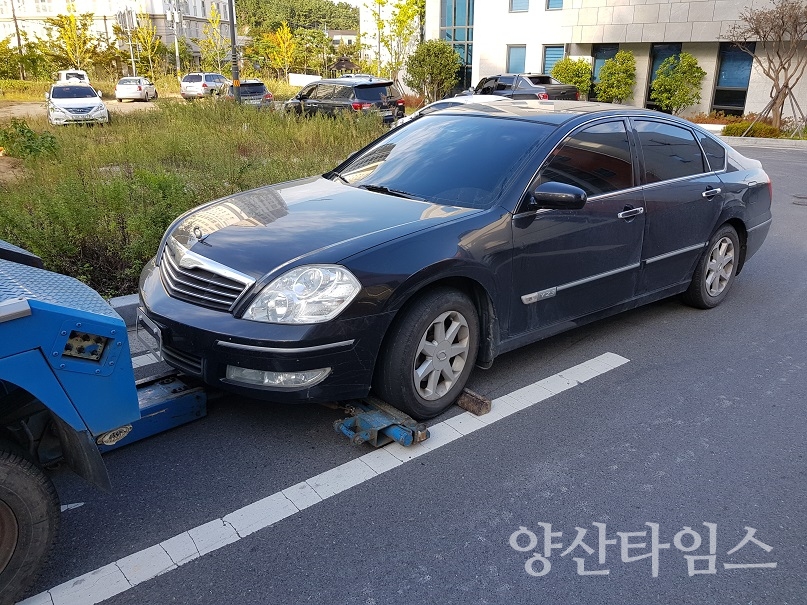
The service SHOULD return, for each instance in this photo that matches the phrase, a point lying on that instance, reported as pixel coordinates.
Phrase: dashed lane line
(115, 578)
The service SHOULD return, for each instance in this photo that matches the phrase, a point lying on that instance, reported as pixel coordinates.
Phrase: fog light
(283, 380)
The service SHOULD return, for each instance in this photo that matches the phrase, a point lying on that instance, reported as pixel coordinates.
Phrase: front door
(570, 263)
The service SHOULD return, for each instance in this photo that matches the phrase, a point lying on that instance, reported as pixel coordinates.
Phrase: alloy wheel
(441, 355)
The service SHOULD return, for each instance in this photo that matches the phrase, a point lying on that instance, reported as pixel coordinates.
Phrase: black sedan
(462, 235)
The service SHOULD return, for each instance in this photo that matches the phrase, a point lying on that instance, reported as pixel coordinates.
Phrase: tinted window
(252, 88)
(670, 152)
(448, 159)
(486, 86)
(597, 159)
(504, 83)
(125, 81)
(343, 92)
(715, 152)
(196, 78)
(378, 92)
(324, 91)
(542, 80)
(72, 92)
(308, 91)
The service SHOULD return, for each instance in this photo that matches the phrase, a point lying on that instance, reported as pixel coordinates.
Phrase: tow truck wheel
(29, 521)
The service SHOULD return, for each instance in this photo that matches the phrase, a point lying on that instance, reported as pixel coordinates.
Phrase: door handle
(630, 212)
(709, 193)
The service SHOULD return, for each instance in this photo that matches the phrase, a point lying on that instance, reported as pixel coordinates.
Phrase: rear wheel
(428, 354)
(715, 271)
(29, 520)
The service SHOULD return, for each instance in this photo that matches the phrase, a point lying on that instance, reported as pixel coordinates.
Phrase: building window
(516, 59)
(658, 54)
(457, 28)
(733, 74)
(600, 53)
(519, 6)
(553, 5)
(552, 54)
(42, 6)
(204, 14)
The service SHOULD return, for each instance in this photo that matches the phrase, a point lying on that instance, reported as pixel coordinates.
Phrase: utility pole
(19, 40)
(234, 53)
(126, 20)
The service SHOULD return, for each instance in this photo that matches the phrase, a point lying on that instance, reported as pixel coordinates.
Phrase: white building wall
(700, 25)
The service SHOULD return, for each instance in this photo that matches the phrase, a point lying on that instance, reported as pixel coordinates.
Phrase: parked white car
(68, 75)
(75, 103)
(450, 102)
(136, 89)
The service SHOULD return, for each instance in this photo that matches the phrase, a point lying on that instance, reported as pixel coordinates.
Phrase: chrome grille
(198, 286)
(80, 110)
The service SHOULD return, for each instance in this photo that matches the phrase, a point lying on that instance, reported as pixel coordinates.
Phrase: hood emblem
(198, 234)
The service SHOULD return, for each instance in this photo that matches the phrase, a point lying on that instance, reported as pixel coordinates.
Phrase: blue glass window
(552, 5)
(735, 67)
(660, 52)
(601, 53)
(552, 54)
(516, 59)
(519, 5)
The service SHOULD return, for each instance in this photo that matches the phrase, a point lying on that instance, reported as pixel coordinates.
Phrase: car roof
(355, 81)
(71, 82)
(553, 112)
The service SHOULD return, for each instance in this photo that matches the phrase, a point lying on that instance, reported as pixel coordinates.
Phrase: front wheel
(428, 354)
(29, 521)
(715, 271)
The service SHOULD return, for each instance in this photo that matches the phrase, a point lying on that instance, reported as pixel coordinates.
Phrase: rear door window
(504, 83)
(670, 152)
(192, 78)
(324, 92)
(715, 152)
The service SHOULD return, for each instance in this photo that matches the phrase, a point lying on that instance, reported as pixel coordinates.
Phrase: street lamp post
(174, 16)
(234, 53)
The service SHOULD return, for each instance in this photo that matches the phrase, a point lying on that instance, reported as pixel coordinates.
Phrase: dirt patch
(11, 170)
(32, 109)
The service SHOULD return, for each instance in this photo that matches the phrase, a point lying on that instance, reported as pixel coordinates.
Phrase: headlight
(99, 109)
(306, 295)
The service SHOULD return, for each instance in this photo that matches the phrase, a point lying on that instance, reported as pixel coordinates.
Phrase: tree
(617, 78)
(774, 37)
(678, 83)
(376, 8)
(313, 50)
(432, 69)
(576, 72)
(70, 39)
(151, 50)
(281, 49)
(264, 16)
(402, 31)
(9, 60)
(214, 46)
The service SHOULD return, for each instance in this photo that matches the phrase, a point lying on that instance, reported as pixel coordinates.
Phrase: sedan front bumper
(203, 342)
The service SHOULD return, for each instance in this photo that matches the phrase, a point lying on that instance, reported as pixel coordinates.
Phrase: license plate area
(150, 334)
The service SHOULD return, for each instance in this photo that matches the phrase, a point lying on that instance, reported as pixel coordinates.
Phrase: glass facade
(516, 59)
(552, 54)
(658, 53)
(457, 28)
(733, 75)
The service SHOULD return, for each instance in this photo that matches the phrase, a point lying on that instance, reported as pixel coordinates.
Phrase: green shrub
(678, 83)
(19, 141)
(617, 78)
(760, 129)
(97, 208)
(576, 72)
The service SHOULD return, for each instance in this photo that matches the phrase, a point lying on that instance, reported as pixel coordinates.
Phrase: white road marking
(144, 360)
(71, 506)
(115, 578)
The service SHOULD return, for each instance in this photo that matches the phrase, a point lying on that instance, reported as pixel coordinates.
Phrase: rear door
(570, 263)
(683, 198)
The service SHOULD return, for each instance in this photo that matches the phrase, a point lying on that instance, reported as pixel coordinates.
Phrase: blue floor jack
(375, 422)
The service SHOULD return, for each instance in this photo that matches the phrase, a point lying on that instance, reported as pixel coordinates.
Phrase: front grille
(80, 110)
(198, 286)
(187, 362)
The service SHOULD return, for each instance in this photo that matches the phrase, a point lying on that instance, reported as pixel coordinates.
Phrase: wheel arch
(742, 234)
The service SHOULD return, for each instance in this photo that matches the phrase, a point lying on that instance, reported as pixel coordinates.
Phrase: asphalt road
(705, 424)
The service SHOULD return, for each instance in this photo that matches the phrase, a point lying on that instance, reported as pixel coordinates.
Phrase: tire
(29, 522)
(120, 100)
(716, 270)
(146, 97)
(156, 95)
(441, 324)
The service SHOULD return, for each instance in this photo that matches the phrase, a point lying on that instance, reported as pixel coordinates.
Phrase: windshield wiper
(341, 178)
(388, 191)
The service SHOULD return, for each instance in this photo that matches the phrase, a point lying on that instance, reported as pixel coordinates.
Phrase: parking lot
(649, 429)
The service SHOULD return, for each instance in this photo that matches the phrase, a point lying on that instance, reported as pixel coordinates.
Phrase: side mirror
(47, 96)
(98, 92)
(558, 196)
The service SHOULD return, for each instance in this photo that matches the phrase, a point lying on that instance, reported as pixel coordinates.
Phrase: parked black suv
(526, 86)
(330, 97)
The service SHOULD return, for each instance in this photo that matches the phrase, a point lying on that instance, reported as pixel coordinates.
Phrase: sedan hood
(256, 231)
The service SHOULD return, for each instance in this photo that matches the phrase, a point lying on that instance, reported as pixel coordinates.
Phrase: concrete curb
(770, 143)
(126, 307)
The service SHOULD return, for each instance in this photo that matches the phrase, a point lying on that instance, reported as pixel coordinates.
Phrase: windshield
(251, 88)
(73, 92)
(447, 159)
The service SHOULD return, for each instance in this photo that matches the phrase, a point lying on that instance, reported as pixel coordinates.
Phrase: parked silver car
(202, 84)
(136, 89)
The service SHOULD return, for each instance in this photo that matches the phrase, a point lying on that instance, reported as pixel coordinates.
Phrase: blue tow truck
(68, 393)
